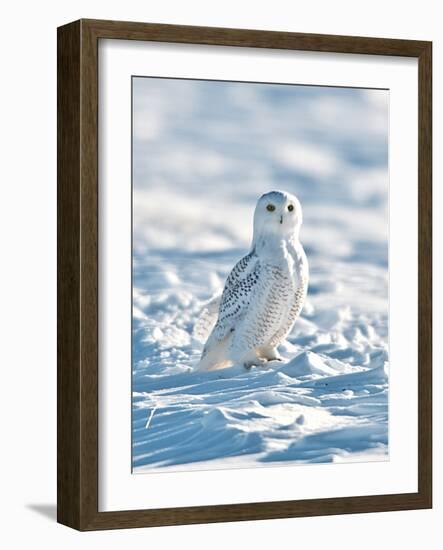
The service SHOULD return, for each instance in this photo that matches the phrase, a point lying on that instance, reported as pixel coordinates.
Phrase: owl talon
(269, 353)
(254, 363)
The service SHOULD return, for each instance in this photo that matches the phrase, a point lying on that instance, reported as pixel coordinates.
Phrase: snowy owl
(265, 291)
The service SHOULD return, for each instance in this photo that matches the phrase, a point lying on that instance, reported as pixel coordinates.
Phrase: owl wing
(236, 297)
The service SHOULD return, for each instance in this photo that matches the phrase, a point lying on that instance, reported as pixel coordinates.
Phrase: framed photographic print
(244, 275)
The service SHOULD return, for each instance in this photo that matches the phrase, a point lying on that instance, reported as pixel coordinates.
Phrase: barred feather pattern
(235, 299)
(294, 312)
(237, 294)
(277, 303)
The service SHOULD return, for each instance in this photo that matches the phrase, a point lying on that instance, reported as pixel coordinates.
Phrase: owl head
(277, 213)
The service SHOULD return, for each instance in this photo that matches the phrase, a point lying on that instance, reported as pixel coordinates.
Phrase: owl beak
(281, 219)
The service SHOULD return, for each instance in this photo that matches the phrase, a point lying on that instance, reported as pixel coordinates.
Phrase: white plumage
(265, 291)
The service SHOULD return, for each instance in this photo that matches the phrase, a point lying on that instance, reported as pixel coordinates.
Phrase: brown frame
(77, 428)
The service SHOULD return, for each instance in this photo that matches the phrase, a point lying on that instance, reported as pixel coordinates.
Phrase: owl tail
(215, 355)
(206, 320)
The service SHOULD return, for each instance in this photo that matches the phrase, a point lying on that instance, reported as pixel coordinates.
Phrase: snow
(203, 153)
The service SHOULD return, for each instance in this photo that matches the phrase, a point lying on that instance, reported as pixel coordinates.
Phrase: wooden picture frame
(77, 456)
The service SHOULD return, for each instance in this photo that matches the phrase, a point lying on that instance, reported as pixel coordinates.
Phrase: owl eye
(270, 208)
(291, 207)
